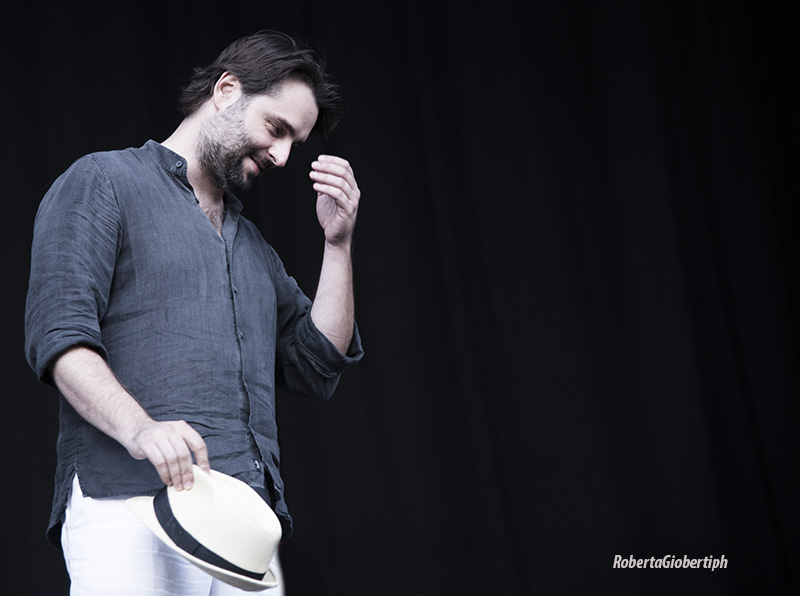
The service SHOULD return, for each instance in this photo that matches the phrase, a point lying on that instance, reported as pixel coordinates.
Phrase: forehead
(292, 103)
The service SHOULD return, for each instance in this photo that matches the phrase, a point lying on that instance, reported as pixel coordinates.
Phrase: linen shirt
(197, 326)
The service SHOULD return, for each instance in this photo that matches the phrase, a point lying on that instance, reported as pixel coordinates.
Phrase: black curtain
(577, 285)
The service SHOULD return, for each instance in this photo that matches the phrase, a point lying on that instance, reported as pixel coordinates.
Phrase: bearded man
(166, 321)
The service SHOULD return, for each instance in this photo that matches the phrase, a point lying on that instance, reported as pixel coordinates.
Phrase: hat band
(187, 542)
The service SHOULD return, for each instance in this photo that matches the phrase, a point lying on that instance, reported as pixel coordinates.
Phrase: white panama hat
(220, 524)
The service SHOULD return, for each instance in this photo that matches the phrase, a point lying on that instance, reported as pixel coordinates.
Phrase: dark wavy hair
(262, 62)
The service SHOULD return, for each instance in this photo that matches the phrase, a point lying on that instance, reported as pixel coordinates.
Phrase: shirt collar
(167, 158)
(175, 164)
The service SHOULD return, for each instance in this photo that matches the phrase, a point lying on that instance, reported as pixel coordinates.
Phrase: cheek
(255, 136)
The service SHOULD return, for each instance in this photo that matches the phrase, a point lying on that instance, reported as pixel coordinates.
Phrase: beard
(222, 146)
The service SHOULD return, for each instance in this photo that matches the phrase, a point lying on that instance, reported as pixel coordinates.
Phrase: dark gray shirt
(196, 326)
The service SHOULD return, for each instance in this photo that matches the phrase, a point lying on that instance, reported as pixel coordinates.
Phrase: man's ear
(227, 90)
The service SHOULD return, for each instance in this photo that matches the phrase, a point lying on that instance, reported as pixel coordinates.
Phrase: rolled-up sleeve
(75, 245)
(307, 363)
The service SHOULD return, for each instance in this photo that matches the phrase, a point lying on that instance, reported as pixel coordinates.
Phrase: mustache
(264, 164)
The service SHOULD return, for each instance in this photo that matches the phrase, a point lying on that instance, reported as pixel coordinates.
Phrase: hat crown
(228, 518)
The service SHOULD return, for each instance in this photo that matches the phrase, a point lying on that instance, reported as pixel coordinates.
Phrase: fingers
(337, 198)
(198, 447)
(334, 176)
(335, 165)
(173, 462)
(169, 446)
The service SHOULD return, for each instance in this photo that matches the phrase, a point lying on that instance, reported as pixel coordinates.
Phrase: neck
(183, 141)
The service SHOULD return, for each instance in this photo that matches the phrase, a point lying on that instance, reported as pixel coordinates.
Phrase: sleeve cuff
(323, 355)
(55, 345)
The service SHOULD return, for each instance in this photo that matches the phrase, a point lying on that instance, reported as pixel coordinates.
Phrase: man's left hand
(337, 198)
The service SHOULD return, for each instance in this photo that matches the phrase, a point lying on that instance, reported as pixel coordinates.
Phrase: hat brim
(143, 508)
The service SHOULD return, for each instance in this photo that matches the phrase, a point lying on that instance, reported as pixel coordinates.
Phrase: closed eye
(280, 127)
(277, 130)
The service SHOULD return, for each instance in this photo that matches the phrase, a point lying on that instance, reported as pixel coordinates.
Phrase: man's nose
(279, 152)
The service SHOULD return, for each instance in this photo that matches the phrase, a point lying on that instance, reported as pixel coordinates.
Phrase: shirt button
(178, 164)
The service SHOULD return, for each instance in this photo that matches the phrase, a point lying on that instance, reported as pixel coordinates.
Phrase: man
(166, 321)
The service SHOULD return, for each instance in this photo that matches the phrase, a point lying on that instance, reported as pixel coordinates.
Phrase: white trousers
(110, 552)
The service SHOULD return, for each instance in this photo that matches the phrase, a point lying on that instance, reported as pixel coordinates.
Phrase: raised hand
(337, 198)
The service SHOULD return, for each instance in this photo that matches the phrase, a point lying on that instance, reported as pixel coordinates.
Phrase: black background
(577, 284)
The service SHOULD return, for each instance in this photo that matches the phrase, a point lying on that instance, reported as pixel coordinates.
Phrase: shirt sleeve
(75, 245)
(307, 363)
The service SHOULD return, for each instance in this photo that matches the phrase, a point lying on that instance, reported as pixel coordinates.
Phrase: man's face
(255, 134)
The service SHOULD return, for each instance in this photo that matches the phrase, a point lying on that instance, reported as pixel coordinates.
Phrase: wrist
(132, 425)
(343, 247)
